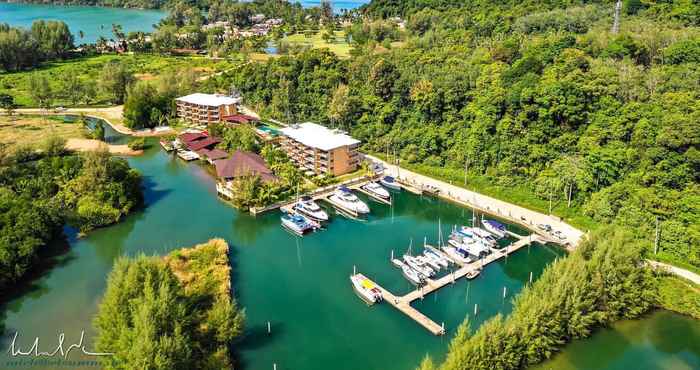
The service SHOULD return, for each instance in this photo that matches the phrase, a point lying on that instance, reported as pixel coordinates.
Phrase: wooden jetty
(403, 303)
(410, 188)
(373, 196)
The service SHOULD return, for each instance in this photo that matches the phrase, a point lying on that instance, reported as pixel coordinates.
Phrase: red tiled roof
(239, 118)
(189, 137)
(243, 164)
(214, 154)
(201, 144)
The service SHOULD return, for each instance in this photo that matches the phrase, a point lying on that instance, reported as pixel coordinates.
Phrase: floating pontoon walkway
(403, 303)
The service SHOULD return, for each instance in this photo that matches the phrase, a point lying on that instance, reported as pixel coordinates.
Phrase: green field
(339, 46)
(144, 67)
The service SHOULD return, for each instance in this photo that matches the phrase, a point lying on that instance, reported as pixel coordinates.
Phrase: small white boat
(398, 263)
(480, 235)
(365, 289)
(438, 253)
(296, 223)
(390, 183)
(457, 256)
(377, 190)
(497, 229)
(187, 155)
(418, 265)
(442, 262)
(427, 261)
(346, 199)
(472, 274)
(307, 207)
(411, 275)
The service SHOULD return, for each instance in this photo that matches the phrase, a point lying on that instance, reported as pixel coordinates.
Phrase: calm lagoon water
(300, 285)
(93, 21)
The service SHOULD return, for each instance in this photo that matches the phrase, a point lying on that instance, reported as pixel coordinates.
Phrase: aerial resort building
(319, 150)
(203, 109)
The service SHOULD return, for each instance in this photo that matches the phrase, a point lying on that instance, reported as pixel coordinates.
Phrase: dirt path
(688, 275)
(86, 145)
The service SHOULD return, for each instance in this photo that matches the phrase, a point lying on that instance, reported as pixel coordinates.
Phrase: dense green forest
(41, 191)
(605, 124)
(171, 313)
(22, 49)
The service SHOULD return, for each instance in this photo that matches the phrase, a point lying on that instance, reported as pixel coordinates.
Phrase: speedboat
(346, 199)
(365, 289)
(307, 207)
(295, 223)
(376, 190)
(497, 229)
(390, 183)
(411, 275)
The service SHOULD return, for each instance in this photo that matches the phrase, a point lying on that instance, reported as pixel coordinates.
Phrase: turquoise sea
(93, 21)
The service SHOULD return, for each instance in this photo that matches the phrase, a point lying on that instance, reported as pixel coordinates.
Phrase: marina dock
(403, 303)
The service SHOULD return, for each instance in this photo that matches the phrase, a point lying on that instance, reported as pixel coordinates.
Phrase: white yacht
(390, 183)
(457, 255)
(429, 261)
(346, 199)
(377, 190)
(480, 235)
(437, 259)
(307, 207)
(418, 265)
(365, 289)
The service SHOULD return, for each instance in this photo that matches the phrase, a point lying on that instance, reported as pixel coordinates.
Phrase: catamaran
(411, 275)
(497, 229)
(418, 265)
(365, 289)
(348, 200)
(377, 190)
(429, 261)
(480, 235)
(296, 223)
(307, 207)
(437, 259)
(390, 183)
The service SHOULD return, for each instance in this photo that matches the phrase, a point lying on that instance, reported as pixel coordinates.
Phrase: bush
(138, 143)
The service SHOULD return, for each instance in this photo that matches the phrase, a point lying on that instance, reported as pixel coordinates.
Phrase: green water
(299, 285)
(93, 21)
(662, 340)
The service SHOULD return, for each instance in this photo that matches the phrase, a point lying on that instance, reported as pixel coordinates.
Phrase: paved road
(688, 275)
(511, 212)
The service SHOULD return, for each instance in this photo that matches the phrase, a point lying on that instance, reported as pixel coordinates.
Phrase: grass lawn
(679, 295)
(33, 130)
(339, 46)
(144, 67)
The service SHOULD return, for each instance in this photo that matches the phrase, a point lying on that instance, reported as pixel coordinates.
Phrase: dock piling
(354, 270)
(476, 309)
(530, 277)
(268, 328)
(504, 292)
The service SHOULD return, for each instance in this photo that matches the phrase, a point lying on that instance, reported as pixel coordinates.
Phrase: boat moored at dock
(390, 183)
(412, 275)
(376, 190)
(418, 265)
(497, 229)
(472, 274)
(296, 223)
(345, 199)
(481, 235)
(365, 289)
(310, 209)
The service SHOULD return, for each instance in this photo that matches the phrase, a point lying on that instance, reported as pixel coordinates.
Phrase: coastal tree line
(27, 48)
(43, 189)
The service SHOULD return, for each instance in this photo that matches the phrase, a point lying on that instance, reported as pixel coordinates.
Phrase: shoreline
(511, 212)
